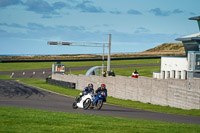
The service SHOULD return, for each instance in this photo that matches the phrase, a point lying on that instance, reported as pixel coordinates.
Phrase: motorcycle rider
(99, 90)
(87, 89)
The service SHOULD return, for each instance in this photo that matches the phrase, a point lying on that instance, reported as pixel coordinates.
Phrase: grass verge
(21, 120)
(41, 83)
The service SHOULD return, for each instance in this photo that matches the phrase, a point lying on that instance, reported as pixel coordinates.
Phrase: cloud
(106, 25)
(5, 3)
(142, 30)
(47, 16)
(4, 33)
(35, 26)
(40, 27)
(115, 12)
(71, 28)
(159, 12)
(46, 9)
(59, 5)
(13, 25)
(134, 12)
(39, 6)
(86, 6)
(177, 11)
(192, 13)
(43, 7)
(3, 24)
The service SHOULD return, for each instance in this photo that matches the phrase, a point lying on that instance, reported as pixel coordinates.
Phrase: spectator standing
(104, 74)
(135, 74)
(112, 73)
(93, 72)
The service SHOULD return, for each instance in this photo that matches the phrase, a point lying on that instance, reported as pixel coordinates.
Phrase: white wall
(173, 92)
(174, 67)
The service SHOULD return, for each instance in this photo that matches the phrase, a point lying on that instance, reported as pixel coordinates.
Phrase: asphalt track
(15, 94)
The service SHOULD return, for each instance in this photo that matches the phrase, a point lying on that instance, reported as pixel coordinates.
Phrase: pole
(103, 59)
(109, 50)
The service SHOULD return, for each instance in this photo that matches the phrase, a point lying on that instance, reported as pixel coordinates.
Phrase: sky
(136, 25)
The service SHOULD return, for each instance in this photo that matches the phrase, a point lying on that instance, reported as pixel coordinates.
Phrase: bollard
(12, 75)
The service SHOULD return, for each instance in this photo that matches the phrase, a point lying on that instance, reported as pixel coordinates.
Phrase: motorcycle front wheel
(99, 104)
(86, 104)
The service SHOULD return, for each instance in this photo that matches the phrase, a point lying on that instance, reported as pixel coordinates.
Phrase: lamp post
(109, 51)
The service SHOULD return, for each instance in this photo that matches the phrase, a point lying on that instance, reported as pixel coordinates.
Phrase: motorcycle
(84, 102)
(100, 99)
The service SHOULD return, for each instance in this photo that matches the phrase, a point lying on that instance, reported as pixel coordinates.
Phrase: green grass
(41, 83)
(19, 120)
(139, 61)
(127, 71)
(4, 77)
(143, 71)
(151, 107)
(77, 72)
(43, 65)
(24, 66)
(126, 103)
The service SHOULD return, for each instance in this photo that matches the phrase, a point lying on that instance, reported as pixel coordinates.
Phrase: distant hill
(166, 49)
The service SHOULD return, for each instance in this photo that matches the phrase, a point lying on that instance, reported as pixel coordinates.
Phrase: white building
(183, 67)
(174, 67)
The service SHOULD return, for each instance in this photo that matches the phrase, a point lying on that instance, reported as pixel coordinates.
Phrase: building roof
(195, 36)
(195, 18)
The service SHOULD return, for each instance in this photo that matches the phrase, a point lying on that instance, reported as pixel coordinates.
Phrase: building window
(168, 74)
(179, 74)
(163, 74)
(185, 74)
(197, 66)
(173, 74)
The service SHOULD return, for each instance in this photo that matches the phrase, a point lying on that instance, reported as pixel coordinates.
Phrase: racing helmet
(90, 86)
(103, 86)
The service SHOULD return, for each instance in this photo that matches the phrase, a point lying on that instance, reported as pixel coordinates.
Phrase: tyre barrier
(64, 84)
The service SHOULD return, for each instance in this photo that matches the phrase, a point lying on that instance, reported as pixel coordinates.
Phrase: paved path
(15, 94)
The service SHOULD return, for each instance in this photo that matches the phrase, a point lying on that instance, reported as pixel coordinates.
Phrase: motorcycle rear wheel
(99, 104)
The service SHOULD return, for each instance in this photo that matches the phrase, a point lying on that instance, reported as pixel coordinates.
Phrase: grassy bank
(21, 120)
